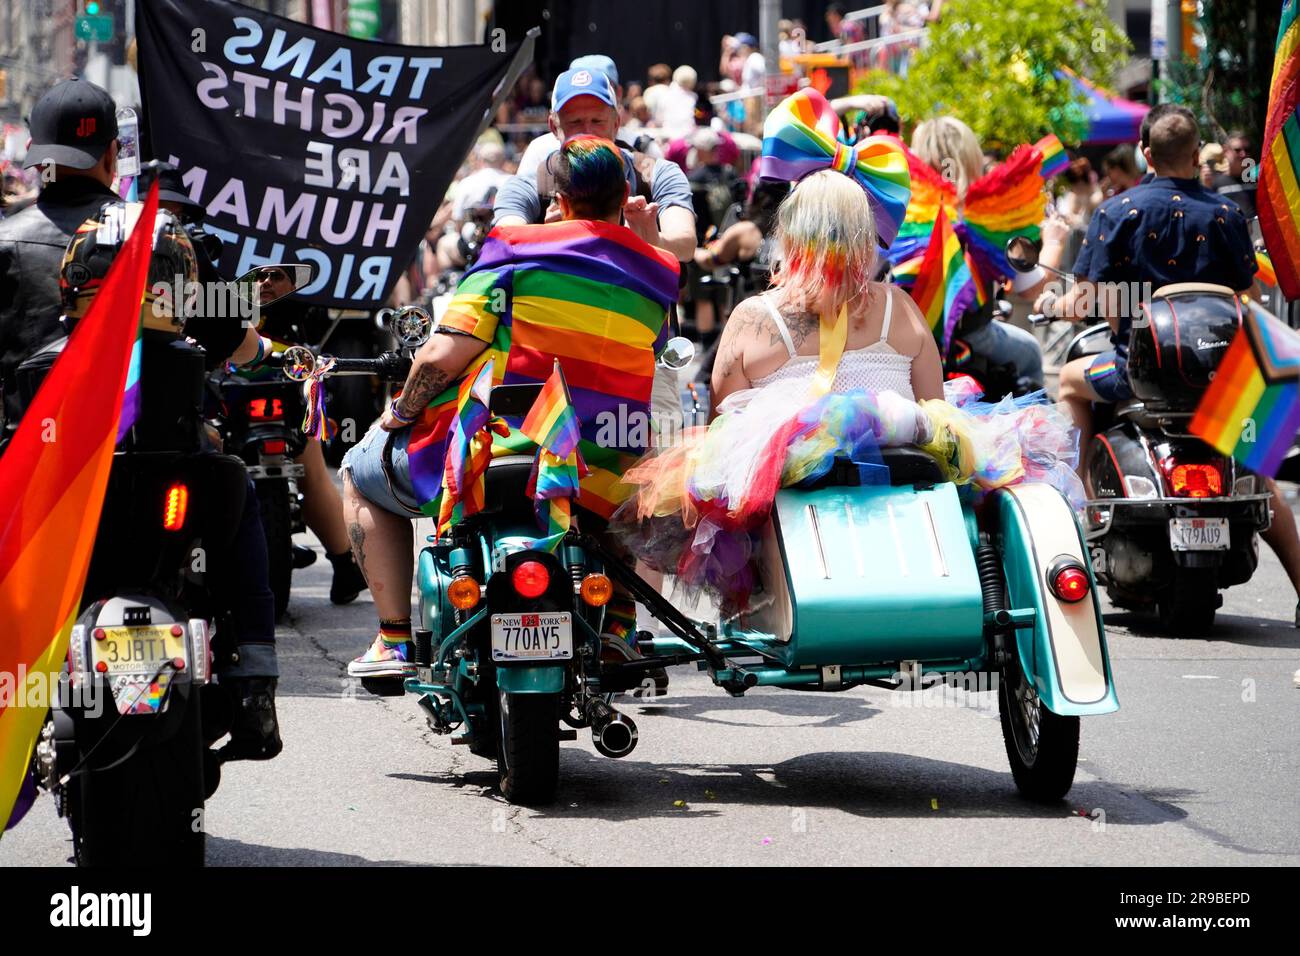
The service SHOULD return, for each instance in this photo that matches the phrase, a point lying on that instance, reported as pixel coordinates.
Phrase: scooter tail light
(530, 579)
(77, 655)
(200, 647)
(274, 446)
(1067, 578)
(176, 505)
(265, 409)
(1194, 480)
(463, 592)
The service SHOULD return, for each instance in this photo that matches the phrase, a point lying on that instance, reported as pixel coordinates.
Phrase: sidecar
(895, 577)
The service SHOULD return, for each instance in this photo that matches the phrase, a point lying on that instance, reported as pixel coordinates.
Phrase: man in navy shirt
(1165, 230)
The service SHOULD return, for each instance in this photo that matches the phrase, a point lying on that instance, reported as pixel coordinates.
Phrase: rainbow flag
(944, 288)
(552, 422)
(51, 492)
(590, 294)
(1278, 200)
(1267, 275)
(1055, 158)
(469, 449)
(1251, 410)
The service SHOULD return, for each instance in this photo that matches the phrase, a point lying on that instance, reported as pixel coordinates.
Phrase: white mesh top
(877, 367)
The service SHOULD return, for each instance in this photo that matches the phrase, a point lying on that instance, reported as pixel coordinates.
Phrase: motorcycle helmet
(97, 241)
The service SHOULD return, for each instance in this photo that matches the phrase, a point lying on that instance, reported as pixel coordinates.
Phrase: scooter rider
(74, 132)
(1165, 230)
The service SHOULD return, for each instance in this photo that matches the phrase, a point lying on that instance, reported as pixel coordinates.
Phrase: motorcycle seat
(505, 483)
(907, 466)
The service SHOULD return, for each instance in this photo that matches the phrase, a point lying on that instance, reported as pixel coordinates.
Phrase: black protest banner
(309, 146)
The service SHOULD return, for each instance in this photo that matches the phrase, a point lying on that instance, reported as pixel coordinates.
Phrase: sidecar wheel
(528, 748)
(1043, 747)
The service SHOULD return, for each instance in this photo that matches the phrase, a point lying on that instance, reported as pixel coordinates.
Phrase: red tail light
(530, 578)
(1194, 481)
(274, 446)
(1068, 579)
(265, 409)
(177, 503)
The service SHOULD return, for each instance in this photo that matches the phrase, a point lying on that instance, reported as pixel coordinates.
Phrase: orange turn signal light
(463, 592)
(596, 589)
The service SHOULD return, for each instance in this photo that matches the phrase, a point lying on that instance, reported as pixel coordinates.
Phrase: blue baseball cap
(584, 82)
(747, 39)
(598, 62)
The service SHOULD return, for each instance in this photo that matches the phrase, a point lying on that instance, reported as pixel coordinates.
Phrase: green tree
(992, 65)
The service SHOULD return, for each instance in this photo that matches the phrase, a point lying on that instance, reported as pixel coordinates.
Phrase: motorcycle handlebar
(388, 366)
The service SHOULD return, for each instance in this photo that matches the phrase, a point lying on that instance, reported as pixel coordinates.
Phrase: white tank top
(878, 367)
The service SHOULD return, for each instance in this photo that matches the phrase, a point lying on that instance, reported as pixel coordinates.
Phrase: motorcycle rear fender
(531, 678)
(1117, 454)
(1064, 654)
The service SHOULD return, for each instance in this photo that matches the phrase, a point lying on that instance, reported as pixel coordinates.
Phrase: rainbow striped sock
(395, 632)
(620, 618)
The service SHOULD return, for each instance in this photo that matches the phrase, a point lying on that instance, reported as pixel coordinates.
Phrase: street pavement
(1201, 765)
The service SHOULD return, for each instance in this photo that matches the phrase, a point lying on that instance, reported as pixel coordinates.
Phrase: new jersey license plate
(1198, 534)
(544, 636)
(137, 650)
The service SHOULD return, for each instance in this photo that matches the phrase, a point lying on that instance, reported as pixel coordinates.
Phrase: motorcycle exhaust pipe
(613, 733)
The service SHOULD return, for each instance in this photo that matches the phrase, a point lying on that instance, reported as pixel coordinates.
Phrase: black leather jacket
(32, 244)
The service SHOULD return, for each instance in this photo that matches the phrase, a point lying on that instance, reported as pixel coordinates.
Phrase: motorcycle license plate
(544, 636)
(137, 650)
(1198, 534)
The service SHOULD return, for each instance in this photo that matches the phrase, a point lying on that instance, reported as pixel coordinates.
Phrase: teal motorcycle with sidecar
(892, 579)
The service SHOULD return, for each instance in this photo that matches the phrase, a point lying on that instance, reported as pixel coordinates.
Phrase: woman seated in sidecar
(828, 365)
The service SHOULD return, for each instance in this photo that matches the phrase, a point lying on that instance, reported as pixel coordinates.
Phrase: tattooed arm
(437, 364)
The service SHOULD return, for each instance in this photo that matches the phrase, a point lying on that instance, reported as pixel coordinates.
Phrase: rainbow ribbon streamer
(315, 422)
(1251, 410)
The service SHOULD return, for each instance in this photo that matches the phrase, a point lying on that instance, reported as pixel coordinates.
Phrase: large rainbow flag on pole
(52, 482)
(1251, 410)
(1279, 175)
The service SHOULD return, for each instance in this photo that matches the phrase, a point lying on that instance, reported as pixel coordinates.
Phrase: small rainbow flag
(944, 286)
(1267, 275)
(1251, 411)
(552, 423)
(51, 492)
(1055, 158)
(469, 449)
(1279, 172)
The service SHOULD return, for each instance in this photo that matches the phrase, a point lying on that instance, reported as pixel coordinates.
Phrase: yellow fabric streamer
(830, 347)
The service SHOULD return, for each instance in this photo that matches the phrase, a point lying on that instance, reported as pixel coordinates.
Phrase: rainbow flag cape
(51, 492)
(557, 471)
(944, 287)
(1251, 410)
(1055, 158)
(590, 294)
(1278, 199)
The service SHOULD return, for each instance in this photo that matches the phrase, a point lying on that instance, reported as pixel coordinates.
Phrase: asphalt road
(1201, 765)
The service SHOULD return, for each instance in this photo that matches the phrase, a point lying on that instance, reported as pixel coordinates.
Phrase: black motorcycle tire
(1185, 615)
(147, 812)
(277, 524)
(1043, 768)
(349, 398)
(528, 757)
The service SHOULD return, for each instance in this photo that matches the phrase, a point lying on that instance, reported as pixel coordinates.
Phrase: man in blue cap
(585, 100)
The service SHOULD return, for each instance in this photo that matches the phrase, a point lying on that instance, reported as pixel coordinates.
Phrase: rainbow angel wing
(1009, 200)
(930, 193)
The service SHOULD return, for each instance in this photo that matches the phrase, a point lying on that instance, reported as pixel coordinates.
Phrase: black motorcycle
(1170, 521)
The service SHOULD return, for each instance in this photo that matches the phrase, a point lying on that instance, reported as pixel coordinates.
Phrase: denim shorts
(1107, 373)
(364, 465)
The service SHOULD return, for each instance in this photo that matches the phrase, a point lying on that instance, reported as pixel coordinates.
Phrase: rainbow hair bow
(801, 136)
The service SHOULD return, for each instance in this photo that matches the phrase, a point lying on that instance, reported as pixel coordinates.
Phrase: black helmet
(97, 241)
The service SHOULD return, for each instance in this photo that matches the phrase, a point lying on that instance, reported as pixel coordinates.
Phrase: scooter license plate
(1198, 534)
(544, 636)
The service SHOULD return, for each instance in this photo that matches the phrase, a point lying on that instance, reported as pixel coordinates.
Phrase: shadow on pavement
(222, 852)
(1228, 628)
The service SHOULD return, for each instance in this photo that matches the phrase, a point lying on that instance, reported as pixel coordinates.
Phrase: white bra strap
(780, 325)
(889, 308)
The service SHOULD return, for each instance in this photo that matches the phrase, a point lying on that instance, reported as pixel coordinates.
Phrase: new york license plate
(544, 636)
(1198, 534)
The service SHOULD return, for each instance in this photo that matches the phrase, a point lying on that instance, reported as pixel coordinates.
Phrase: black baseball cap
(171, 188)
(72, 125)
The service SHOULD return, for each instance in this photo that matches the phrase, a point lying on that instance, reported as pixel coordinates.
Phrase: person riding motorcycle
(74, 132)
(1168, 229)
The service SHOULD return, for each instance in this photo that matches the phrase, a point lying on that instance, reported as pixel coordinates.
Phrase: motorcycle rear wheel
(147, 812)
(1187, 609)
(528, 748)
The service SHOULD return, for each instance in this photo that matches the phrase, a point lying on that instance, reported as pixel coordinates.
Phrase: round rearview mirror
(678, 353)
(299, 363)
(261, 286)
(410, 325)
(1022, 253)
